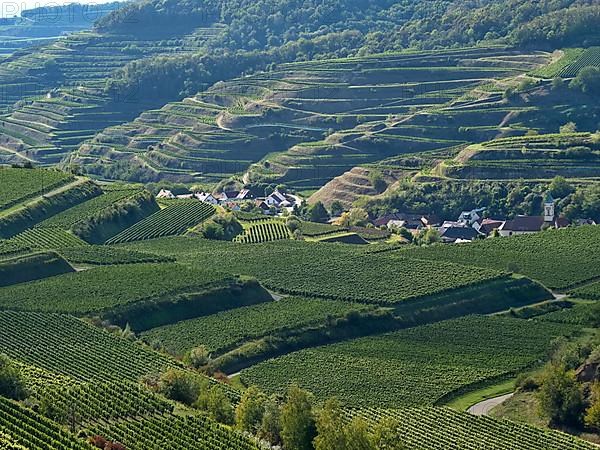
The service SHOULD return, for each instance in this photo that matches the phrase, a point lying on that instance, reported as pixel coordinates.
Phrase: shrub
(197, 357)
(180, 386)
(560, 396)
(251, 409)
(11, 384)
(214, 401)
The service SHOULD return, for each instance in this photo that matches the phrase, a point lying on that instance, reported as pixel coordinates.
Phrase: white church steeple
(549, 208)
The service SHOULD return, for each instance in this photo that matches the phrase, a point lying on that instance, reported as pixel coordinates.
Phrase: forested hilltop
(381, 24)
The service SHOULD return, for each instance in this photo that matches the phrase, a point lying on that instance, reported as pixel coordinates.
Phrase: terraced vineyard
(127, 399)
(291, 109)
(572, 62)
(574, 255)
(560, 66)
(223, 330)
(263, 231)
(17, 185)
(64, 82)
(539, 157)
(435, 428)
(173, 220)
(48, 238)
(383, 278)
(25, 429)
(107, 287)
(416, 366)
(174, 433)
(66, 346)
(67, 219)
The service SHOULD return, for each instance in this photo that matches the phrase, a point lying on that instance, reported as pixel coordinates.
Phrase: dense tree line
(259, 33)
(385, 24)
(293, 421)
(447, 199)
(547, 24)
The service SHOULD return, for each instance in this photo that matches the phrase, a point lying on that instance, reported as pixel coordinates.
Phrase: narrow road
(483, 408)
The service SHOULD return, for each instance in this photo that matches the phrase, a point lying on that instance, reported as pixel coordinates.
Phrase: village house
(206, 197)
(534, 224)
(277, 199)
(471, 218)
(488, 226)
(458, 233)
(165, 193)
(413, 222)
(411, 225)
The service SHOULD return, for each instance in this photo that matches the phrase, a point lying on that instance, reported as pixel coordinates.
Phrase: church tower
(549, 208)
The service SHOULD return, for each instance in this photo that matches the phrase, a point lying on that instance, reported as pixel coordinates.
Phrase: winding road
(484, 407)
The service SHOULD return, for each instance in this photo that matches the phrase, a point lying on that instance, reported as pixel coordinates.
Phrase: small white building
(165, 193)
(206, 197)
(276, 199)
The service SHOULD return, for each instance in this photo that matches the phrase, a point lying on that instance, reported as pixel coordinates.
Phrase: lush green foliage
(383, 278)
(65, 345)
(172, 432)
(87, 210)
(561, 27)
(105, 287)
(33, 431)
(557, 258)
(172, 220)
(416, 366)
(223, 330)
(434, 428)
(383, 25)
(18, 185)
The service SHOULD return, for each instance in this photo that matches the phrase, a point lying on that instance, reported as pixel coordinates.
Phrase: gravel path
(483, 408)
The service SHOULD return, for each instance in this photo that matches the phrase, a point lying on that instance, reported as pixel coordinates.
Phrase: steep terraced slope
(61, 94)
(280, 118)
(545, 156)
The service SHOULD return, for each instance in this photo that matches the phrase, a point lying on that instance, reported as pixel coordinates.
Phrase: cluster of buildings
(272, 204)
(472, 225)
